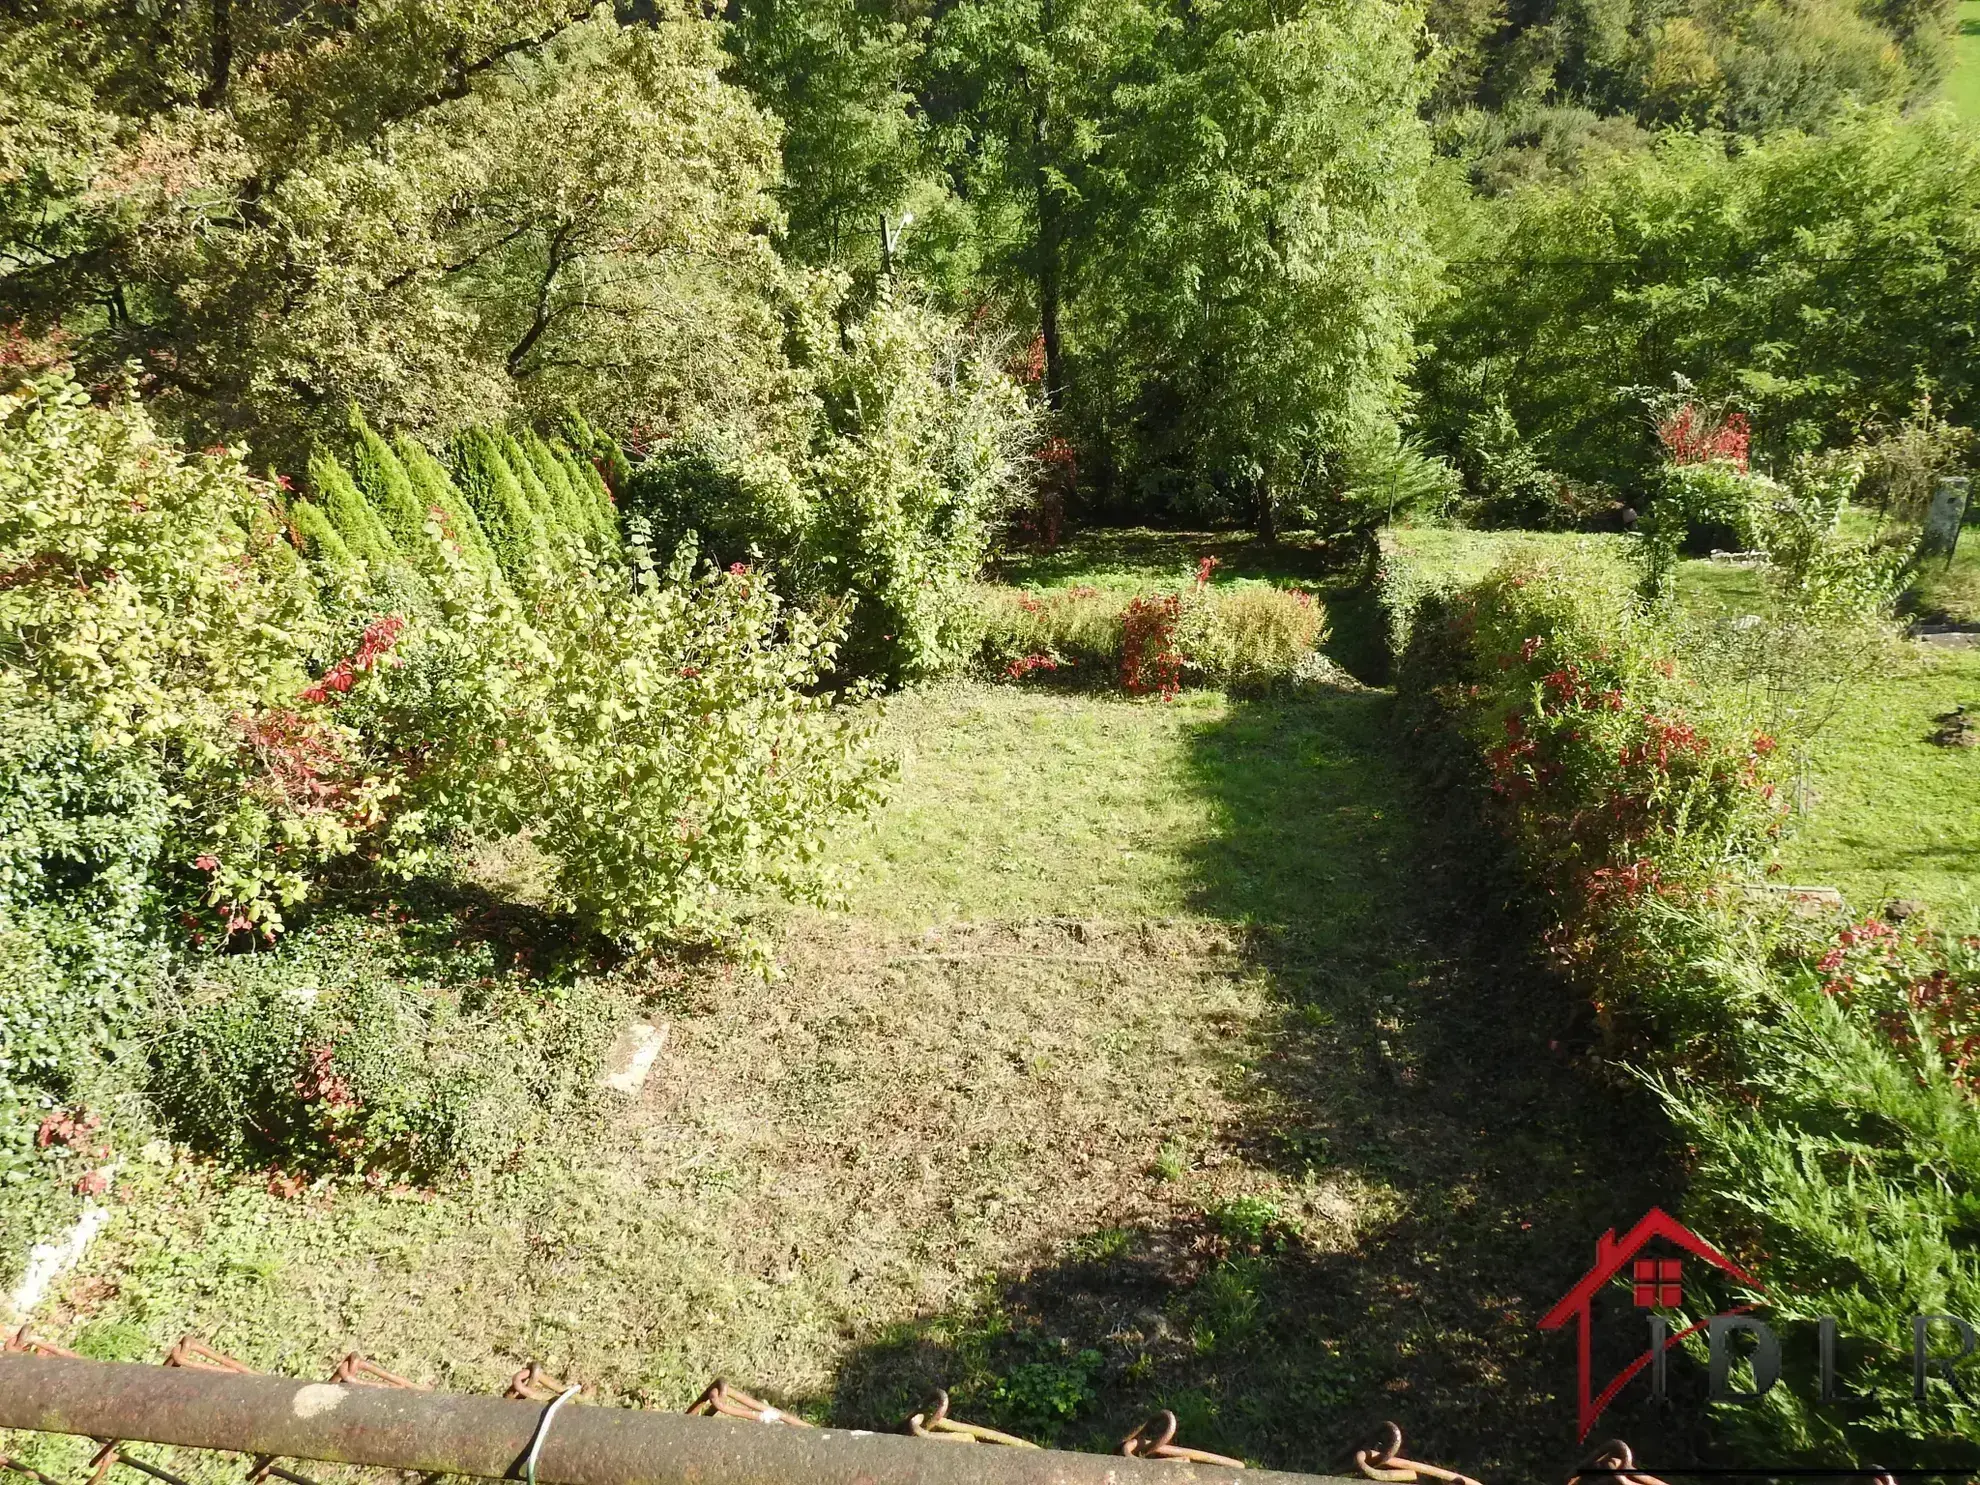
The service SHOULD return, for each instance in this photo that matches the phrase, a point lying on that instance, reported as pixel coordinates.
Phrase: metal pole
(429, 1432)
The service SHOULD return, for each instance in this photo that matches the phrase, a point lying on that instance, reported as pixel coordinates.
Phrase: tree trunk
(1267, 518)
(222, 65)
(1048, 271)
(1049, 233)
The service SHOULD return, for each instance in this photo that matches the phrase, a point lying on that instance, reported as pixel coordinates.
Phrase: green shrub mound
(890, 493)
(347, 1053)
(1820, 1072)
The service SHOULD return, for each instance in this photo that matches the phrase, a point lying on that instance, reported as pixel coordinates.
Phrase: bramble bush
(348, 1053)
(1819, 1077)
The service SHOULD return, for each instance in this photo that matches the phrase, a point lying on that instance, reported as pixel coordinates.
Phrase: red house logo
(1657, 1284)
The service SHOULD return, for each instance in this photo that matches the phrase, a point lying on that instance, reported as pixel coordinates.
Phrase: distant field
(1963, 87)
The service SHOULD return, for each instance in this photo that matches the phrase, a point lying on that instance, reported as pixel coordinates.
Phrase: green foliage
(1246, 1220)
(350, 516)
(198, 723)
(1077, 628)
(1809, 276)
(81, 831)
(514, 531)
(913, 452)
(1509, 486)
(1385, 470)
(1250, 637)
(1255, 297)
(158, 606)
(437, 491)
(448, 213)
(679, 755)
(1902, 466)
(1817, 568)
(1753, 67)
(1712, 499)
(1046, 1395)
(1619, 774)
(344, 1052)
(386, 486)
(318, 539)
(1856, 1168)
(835, 72)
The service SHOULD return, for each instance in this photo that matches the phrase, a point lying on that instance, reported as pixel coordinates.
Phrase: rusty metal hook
(1619, 1461)
(1139, 1444)
(934, 1422)
(1386, 1463)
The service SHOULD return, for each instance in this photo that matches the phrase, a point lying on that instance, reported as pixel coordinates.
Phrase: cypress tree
(599, 452)
(548, 516)
(435, 490)
(320, 541)
(387, 488)
(350, 515)
(572, 511)
(592, 496)
(496, 496)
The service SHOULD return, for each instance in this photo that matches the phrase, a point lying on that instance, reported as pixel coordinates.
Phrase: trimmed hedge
(1821, 1073)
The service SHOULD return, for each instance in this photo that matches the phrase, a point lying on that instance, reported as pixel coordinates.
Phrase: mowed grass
(1019, 803)
(1151, 1067)
(1963, 85)
(1951, 589)
(1892, 814)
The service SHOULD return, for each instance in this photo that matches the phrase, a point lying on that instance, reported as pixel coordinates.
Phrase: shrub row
(1820, 1075)
(1249, 636)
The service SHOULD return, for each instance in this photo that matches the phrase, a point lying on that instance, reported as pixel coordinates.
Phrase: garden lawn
(1159, 1061)
(1890, 814)
(1951, 590)
(1963, 86)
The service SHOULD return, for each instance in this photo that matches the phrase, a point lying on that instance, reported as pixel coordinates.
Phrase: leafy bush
(80, 833)
(1510, 488)
(1811, 276)
(916, 447)
(678, 755)
(342, 1052)
(153, 601)
(1816, 568)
